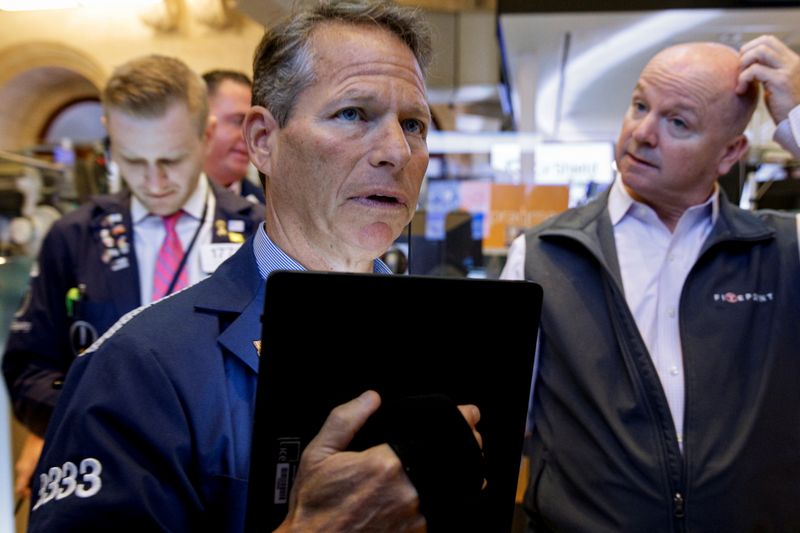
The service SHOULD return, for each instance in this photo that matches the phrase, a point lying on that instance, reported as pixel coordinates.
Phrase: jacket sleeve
(38, 351)
(118, 451)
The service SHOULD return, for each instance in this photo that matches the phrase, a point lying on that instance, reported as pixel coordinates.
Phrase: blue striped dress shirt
(269, 257)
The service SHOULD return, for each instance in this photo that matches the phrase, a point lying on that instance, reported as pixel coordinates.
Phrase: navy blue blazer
(87, 279)
(251, 189)
(153, 430)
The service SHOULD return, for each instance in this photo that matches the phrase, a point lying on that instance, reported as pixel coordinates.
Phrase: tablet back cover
(328, 337)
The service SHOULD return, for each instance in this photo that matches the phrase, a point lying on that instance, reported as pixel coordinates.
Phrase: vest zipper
(678, 505)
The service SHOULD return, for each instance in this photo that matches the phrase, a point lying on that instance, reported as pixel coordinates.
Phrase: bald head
(710, 71)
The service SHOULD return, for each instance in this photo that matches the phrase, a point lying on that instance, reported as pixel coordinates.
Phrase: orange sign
(500, 212)
(515, 208)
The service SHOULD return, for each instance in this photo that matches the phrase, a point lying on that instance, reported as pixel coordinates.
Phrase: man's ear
(211, 127)
(734, 151)
(260, 131)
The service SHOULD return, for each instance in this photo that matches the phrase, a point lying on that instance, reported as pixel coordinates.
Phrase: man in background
(666, 394)
(170, 228)
(226, 163)
(154, 428)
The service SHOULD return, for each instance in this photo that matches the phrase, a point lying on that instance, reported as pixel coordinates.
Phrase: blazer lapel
(234, 217)
(113, 230)
(236, 291)
(243, 336)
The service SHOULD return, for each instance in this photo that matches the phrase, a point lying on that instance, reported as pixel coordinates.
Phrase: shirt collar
(620, 203)
(193, 206)
(270, 257)
(235, 187)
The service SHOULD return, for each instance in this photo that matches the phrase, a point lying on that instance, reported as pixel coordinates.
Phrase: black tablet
(328, 337)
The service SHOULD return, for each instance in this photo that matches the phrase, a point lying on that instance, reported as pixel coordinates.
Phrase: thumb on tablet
(341, 426)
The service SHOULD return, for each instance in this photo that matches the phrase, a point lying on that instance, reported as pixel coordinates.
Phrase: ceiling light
(40, 5)
(126, 3)
(36, 5)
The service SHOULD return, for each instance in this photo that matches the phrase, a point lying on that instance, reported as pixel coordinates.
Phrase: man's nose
(646, 130)
(391, 146)
(155, 176)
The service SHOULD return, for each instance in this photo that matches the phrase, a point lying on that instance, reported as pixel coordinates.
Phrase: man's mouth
(379, 200)
(157, 196)
(383, 199)
(641, 161)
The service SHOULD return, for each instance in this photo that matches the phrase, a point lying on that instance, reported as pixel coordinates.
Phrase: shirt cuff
(787, 134)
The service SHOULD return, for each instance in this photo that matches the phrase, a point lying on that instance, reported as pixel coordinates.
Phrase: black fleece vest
(604, 450)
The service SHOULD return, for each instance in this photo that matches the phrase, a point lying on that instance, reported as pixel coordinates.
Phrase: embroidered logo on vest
(733, 298)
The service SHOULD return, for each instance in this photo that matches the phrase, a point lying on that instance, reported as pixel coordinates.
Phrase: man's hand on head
(769, 61)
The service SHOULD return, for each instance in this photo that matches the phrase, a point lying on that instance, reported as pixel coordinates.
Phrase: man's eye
(349, 113)
(235, 121)
(639, 106)
(412, 125)
(679, 123)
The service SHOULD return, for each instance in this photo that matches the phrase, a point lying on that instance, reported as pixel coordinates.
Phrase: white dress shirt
(787, 134)
(654, 264)
(236, 187)
(149, 233)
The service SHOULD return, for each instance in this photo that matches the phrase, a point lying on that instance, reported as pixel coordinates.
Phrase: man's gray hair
(283, 65)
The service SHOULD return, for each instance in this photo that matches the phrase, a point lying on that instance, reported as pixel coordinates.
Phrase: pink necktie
(168, 260)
